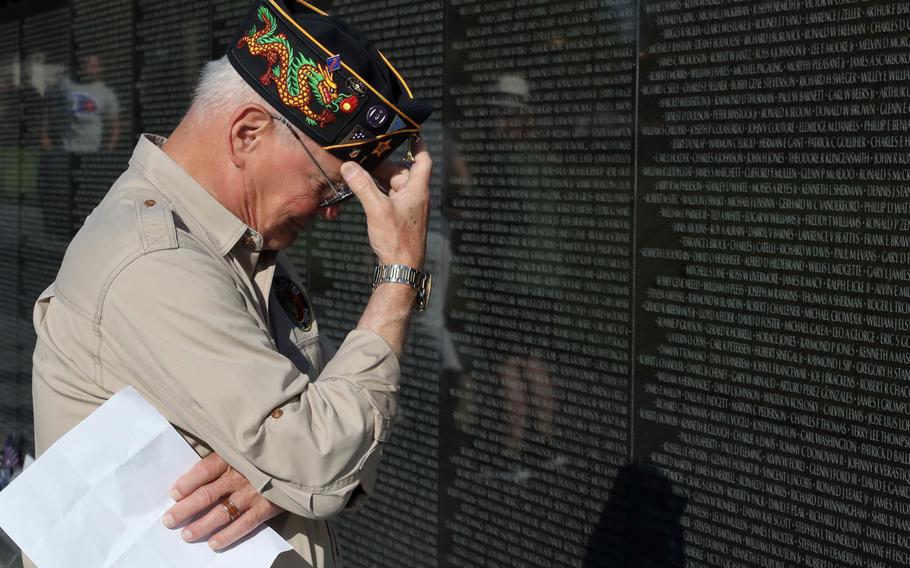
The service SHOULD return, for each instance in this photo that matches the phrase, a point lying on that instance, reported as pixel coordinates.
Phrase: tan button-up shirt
(166, 290)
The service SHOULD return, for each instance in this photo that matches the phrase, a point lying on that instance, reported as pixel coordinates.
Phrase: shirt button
(150, 202)
(277, 413)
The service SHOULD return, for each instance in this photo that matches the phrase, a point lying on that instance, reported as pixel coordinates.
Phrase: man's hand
(397, 227)
(205, 485)
(397, 223)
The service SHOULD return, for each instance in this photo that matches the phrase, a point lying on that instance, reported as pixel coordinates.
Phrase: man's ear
(248, 125)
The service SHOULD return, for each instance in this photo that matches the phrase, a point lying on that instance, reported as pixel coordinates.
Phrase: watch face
(423, 300)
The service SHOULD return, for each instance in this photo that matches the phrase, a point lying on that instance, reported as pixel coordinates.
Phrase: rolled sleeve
(181, 330)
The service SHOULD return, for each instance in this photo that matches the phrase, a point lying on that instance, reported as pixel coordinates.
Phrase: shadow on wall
(640, 524)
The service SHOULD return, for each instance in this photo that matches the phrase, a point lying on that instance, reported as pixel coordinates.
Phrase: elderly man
(176, 284)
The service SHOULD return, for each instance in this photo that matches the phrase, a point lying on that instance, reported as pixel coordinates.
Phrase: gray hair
(221, 90)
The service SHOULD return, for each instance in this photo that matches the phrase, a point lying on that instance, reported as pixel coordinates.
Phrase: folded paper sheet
(96, 497)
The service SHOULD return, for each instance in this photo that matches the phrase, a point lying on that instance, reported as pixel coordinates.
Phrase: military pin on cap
(333, 63)
(356, 86)
(412, 141)
(377, 115)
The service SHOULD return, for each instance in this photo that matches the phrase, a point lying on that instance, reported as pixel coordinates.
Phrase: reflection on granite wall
(537, 210)
(669, 241)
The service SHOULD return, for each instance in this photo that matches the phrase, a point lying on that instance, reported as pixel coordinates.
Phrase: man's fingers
(396, 176)
(418, 175)
(423, 165)
(402, 175)
(387, 170)
(202, 486)
(361, 184)
(399, 180)
(199, 500)
(203, 508)
(202, 527)
(218, 516)
(259, 513)
(235, 531)
(209, 469)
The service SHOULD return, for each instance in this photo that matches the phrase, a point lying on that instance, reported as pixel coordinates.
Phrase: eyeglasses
(340, 191)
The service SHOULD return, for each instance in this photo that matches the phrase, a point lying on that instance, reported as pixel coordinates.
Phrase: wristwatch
(401, 274)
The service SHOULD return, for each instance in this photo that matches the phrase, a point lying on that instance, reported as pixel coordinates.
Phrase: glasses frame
(340, 191)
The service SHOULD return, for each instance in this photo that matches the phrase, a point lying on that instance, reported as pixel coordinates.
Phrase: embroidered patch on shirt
(294, 302)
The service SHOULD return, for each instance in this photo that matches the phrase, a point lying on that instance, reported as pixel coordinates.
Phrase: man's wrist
(412, 260)
(407, 276)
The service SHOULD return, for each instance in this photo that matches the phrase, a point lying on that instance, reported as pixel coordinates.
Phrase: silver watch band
(402, 274)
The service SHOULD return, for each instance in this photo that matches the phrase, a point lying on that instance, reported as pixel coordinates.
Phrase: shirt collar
(221, 228)
(248, 250)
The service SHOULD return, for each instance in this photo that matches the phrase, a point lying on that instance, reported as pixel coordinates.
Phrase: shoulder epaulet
(156, 225)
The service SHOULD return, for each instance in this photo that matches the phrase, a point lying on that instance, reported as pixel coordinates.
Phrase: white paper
(96, 497)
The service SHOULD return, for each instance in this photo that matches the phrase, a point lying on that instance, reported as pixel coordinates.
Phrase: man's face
(289, 187)
(91, 68)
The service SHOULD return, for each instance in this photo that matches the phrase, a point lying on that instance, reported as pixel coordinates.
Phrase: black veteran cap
(328, 79)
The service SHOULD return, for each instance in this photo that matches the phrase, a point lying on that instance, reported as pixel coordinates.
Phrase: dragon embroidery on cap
(299, 81)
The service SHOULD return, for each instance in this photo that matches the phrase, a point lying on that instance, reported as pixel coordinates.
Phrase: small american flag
(10, 462)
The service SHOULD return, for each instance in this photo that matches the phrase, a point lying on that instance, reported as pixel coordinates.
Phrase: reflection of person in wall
(524, 387)
(89, 110)
(31, 110)
(177, 284)
(529, 401)
(439, 262)
(528, 387)
(9, 135)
